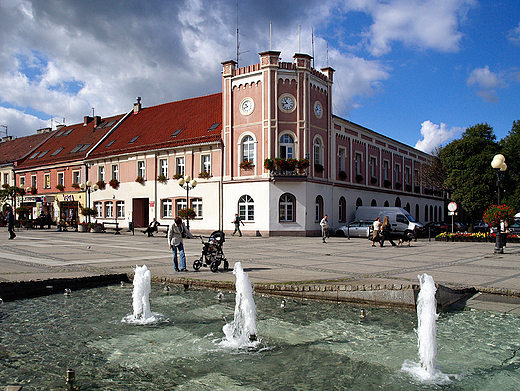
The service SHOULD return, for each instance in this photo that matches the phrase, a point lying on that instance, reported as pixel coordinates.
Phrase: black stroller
(212, 254)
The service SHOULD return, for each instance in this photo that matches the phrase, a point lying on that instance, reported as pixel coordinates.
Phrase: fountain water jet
(242, 331)
(426, 369)
(141, 298)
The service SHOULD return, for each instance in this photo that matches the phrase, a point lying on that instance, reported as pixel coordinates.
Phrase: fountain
(426, 370)
(141, 298)
(242, 331)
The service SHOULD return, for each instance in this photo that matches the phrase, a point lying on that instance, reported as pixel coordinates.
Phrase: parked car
(480, 226)
(514, 228)
(362, 229)
(433, 228)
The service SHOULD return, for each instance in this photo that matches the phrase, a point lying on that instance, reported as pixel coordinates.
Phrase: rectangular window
(141, 169)
(206, 163)
(101, 173)
(61, 178)
(163, 167)
(98, 206)
(373, 165)
(6, 178)
(407, 175)
(115, 172)
(109, 209)
(416, 177)
(386, 170)
(75, 177)
(180, 204)
(179, 170)
(341, 159)
(22, 181)
(33, 181)
(120, 207)
(397, 170)
(196, 205)
(47, 181)
(357, 162)
(167, 208)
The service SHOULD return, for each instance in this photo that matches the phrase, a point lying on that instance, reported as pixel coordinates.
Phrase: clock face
(287, 103)
(318, 110)
(247, 106)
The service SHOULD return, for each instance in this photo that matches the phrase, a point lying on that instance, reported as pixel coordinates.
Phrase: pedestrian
(237, 222)
(10, 222)
(386, 228)
(325, 228)
(48, 219)
(376, 237)
(504, 231)
(176, 233)
(152, 227)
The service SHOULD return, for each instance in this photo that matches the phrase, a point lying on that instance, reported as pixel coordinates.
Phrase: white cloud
(435, 135)
(514, 35)
(18, 122)
(486, 83)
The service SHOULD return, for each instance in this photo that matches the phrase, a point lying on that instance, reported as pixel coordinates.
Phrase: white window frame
(109, 209)
(246, 208)
(120, 209)
(115, 171)
(342, 153)
(180, 165)
(101, 173)
(286, 208)
(98, 206)
(141, 169)
(286, 146)
(167, 208)
(22, 181)
(196, 205)
(248, 149)
(163, 167)
(180, 204)
(317, 151)
(34, 181)
(397, 171)
(386, 169)
(61, 178)
(358, 162)
(206, 163)
(76, 177)
(373, 165)
(46, 181)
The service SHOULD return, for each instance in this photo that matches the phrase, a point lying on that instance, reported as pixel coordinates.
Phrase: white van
(401, 221)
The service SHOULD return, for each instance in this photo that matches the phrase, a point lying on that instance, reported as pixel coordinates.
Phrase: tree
(510, 148)
(10, 193)
(434, 172)
(467, 162)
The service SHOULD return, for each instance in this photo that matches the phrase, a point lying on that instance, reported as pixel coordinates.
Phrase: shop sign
(32, 199)
(68, 197)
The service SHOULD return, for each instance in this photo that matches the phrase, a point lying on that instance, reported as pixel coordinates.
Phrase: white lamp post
(188, 184)
(88, 187)
(499, 164)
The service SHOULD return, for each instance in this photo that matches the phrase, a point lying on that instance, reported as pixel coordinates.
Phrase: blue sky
(417, 71)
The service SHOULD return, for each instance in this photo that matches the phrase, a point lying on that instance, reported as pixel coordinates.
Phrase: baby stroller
(212, 254)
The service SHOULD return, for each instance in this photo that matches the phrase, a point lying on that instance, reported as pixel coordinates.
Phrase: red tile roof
(70, 143)
(18, 148)
(190, 121)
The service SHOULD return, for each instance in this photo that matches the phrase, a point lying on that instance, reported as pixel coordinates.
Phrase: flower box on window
(398, 185)
(60, 187)
(342, 175)
(75, 185)
(140, 180)
(373, 180)
(33, 190)
(114, 183)
(246, 165)
(178, 176)
(318, 167)
(359, 178)
(408, 187)
(387, 183)
(187, 213)
(101, 185)
(205, 174)
(162, 179)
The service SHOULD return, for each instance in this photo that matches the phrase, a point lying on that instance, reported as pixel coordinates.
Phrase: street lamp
(188, 184)
(499, 164)
(88, 187)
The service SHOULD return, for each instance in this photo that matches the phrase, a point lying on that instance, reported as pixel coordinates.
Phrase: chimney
(87, 120)
(97, 121)
(6, 138)
(43, 130)
(137, 106)
(58, 127)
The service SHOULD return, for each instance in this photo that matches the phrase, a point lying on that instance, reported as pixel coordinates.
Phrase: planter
(96, 229)
(82, 228)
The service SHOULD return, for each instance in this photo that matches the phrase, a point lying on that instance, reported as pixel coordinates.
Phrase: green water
(307, 346)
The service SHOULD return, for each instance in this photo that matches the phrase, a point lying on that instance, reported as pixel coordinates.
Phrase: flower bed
(474, 237)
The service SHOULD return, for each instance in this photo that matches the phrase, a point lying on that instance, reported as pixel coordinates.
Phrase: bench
(163, 228)
(115, 224)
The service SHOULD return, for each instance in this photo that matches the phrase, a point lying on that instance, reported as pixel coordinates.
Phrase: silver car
(362, 229)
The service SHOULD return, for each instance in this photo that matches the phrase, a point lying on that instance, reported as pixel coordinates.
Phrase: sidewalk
(291, 263)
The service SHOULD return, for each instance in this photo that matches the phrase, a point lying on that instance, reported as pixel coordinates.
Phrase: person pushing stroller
(176, 233)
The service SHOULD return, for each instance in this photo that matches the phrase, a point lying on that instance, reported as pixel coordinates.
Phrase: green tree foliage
(510, 148)
(10, 193)
(467, 161)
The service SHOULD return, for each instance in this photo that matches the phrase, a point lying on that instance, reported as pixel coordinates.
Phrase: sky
(416, 71)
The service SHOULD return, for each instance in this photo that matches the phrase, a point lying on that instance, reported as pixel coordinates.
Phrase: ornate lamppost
(188, 184)
(499, 164)
(88, 187)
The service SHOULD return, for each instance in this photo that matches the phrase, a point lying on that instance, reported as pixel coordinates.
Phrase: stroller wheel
(197, 264)
(226, 265)
(214, 267)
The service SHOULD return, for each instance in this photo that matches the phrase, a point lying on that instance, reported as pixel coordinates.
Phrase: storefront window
(109, 209)
(120, 206)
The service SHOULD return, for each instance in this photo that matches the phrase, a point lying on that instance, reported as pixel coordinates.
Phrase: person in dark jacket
(387, 229)
(10, 223)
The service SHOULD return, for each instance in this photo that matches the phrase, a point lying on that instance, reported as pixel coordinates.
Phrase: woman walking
(387, 229)
(176, 233)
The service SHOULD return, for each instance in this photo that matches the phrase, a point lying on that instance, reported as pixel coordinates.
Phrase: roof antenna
(270, 35)
(312, 42)
(92, 112)
(327, 53)
(299, 36)
(238, 40)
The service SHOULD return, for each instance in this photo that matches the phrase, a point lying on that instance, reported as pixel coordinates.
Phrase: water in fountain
(141, 298)
(242, 332)
(426, 369)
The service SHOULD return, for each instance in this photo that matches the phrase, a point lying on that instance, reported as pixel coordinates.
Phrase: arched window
(426, 213)
(387, 204)
(431, 213)
(407, 207)
(436, 216)
(286, 147)
(318, 208)
(246, 208)
(248, 149)
(286, 204)
(359, 202)
(317, 151)
(342, 212)
(417, 210)
(373, 203)
(398, 202)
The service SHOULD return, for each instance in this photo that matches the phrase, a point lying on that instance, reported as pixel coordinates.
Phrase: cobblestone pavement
(41, 254)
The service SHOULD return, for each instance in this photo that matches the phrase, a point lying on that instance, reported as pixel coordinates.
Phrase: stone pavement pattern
(43, 254)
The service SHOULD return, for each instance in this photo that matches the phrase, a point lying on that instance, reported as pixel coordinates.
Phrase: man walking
(237, 222)
(10, 222)
(325, 227)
